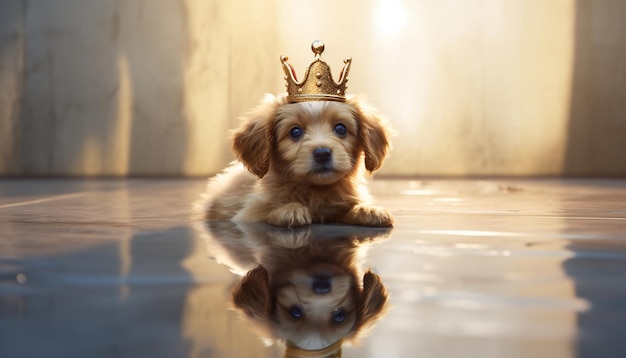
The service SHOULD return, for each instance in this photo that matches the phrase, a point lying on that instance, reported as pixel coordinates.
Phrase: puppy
(305, 164)
(304, 287)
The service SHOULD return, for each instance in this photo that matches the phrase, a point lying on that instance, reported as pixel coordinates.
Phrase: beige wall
(151, 87)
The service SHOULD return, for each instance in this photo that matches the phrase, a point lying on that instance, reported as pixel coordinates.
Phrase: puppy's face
(311, 296)
(311, 308)
(315, 142)
(316, 307)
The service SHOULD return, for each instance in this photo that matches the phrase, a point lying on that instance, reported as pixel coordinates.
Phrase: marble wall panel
(11, 82)
(152, 87)
(596, 129)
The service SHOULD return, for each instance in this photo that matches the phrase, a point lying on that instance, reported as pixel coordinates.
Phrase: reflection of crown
(318, 83)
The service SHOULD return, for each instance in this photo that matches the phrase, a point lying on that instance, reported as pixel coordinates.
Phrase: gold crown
(318, 83)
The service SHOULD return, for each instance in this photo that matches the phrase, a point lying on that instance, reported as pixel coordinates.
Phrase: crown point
(318, 47)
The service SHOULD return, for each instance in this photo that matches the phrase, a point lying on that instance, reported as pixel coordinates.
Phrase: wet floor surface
(472, 268)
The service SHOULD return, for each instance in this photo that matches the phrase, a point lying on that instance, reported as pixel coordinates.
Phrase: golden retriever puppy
(304, 287)
(305, 164)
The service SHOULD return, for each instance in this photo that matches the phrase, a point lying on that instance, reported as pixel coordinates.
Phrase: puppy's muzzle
(322, 155)
(321, 284)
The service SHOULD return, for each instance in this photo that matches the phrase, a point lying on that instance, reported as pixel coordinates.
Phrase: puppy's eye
(341, 130)
(339, 315)
(296, 132)
(296, 312)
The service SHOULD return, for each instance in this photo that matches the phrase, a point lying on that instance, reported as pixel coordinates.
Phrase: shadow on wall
(117, 88)
(11, 69)
(102, 84)
(597, 125)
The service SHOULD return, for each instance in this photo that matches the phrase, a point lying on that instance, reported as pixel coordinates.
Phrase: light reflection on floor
(489, 268)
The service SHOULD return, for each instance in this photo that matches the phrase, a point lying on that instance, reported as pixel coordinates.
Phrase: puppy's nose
(321, 285)
(322, 155)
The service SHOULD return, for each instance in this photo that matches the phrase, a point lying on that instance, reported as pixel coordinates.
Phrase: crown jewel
(318, 83)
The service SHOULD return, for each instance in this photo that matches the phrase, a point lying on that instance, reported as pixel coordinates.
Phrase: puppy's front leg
(290, 238)
(290, 215)
(368, 216)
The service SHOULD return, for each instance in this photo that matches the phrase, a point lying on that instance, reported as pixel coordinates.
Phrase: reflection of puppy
(305, 163)
(306, 287)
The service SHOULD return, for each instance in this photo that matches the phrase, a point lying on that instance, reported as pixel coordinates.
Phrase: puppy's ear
(373, 132)
(253, 295)
(253, 140)
(373, 297)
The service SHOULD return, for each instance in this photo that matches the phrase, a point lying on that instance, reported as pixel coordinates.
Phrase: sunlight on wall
(391, 16)
(472, 87)
(231, 63)
(122, 132)
(206, 84)
(475, 89)
(108, 151)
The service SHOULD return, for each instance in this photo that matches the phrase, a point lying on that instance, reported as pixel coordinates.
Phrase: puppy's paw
(290, 215)
(292, 238)
(369, 216)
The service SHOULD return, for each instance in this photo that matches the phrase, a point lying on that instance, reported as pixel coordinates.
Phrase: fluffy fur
(305, 164)
(284, 269)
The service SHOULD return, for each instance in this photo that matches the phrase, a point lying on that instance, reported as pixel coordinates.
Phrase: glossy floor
(503, 268)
